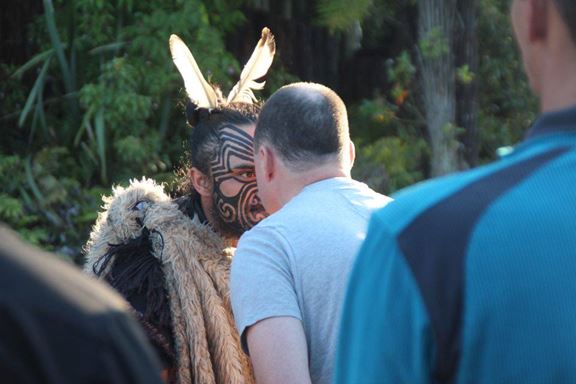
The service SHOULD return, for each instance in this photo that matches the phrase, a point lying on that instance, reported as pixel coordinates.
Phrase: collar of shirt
(561, 121)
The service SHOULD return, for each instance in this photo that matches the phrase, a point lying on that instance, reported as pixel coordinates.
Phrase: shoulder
(264, 240)
(261, 253)
(360, 194)
(411, 202)
(329, 199)
(465, 195)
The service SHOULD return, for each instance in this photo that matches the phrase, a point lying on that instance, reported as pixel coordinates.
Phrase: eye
(248, 174)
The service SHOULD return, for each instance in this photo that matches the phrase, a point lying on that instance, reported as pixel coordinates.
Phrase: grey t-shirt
(296, 263)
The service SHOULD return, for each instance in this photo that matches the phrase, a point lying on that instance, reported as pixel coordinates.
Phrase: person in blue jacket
(471, 278)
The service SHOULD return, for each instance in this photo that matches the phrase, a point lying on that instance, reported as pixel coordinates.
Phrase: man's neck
(296, 181)
(563, 95)
(559, 82)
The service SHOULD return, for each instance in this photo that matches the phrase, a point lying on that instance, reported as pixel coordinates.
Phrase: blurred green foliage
(103, 107)
(507, 106)
(341, 14)
(393, 152)
(101, 102)
(434, 44)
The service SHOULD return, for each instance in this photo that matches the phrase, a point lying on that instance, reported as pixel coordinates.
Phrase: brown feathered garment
(196, 264)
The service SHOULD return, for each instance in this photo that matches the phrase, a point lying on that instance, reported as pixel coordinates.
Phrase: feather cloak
(196, 265)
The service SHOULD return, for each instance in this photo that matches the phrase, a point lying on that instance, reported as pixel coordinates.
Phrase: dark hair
(304, 122)
(137, 275)
(204, 141)
(567, 9)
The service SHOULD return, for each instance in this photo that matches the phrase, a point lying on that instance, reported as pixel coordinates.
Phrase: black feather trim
(191, 206)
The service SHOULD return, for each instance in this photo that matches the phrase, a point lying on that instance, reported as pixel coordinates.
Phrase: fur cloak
(196, 265)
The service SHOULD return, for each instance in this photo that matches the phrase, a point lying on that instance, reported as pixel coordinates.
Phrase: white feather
(199, 91)
(255, 68)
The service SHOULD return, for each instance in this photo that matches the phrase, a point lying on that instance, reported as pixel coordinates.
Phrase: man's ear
(538, 23)
(268, 158)
(352, 153)
(200, 181)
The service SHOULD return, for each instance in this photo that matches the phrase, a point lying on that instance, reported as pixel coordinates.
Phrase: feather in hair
(254, 69)
(199, 91)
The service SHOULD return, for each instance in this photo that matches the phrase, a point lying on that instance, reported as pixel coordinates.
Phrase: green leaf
(114, 47)
(26, 197)
(87, 217)
(36, 88)
(89, 153)
(434, 45)
(57, 45)
(101, 143)
(464, 74)
(44, 56)
(10, 208)
(83, 125)
(34, 236)
(39, 111)
(32, 183)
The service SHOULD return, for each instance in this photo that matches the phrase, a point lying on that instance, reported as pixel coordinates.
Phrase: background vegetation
(89, 96)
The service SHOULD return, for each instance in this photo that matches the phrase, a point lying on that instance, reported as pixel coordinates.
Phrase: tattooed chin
(256, 214)
(233, 224)
(256, 211)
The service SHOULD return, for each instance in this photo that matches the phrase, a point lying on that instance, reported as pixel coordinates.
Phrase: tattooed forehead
(237, 145)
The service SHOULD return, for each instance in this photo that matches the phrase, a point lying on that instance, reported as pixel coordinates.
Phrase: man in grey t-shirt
(290, 271)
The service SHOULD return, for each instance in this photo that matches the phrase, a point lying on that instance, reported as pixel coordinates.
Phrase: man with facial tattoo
(220, 174)
(170, 258)
(232, 205)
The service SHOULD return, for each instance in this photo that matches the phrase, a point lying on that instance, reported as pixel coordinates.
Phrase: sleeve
(385, 336)
(261, 280)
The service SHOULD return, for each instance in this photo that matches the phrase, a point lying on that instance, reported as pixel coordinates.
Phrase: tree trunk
(437, 68)
(467, 93)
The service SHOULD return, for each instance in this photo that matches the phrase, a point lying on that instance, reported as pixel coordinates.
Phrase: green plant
(103, 106)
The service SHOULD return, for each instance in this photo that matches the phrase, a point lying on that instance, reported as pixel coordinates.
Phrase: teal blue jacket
(471, 278)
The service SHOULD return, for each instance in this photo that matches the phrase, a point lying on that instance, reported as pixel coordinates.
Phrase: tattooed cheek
(230, 187)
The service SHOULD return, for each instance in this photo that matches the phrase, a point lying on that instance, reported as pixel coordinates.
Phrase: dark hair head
(567, 9)
(204, 141)
(304, 122)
